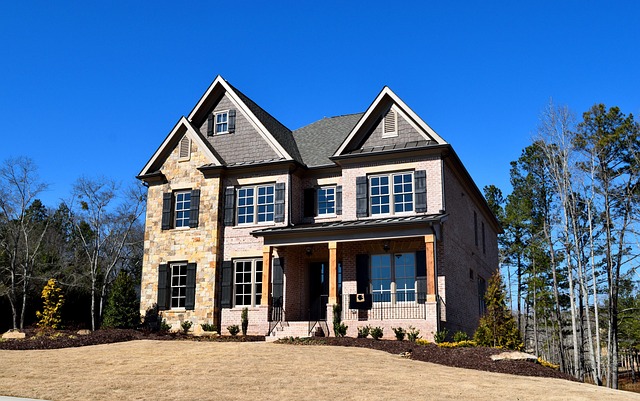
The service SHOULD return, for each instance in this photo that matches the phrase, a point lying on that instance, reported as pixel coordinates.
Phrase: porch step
(290, 329)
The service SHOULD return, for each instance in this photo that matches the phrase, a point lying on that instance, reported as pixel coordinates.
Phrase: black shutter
(164, 280)
(279, 212)
(210, 125)
(420, 182)
(310, 205)
(190, 294)
(362, 274)
(421, 275)
(229, 206)
(339, 200)
(232, 121)
(167, 210)
(226, 283)
(362, 209)
(277, 269)
(194, 212)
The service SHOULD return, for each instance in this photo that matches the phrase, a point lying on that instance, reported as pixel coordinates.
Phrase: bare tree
(21, 233)
(104, 218)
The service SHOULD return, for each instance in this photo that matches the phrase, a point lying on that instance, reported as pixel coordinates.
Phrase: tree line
(570, 242)
(83, 243)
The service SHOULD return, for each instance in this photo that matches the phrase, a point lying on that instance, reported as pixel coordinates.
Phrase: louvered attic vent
(390, 124)
(185, 148)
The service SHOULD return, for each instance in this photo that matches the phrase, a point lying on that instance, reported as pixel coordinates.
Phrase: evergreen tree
(122, 310)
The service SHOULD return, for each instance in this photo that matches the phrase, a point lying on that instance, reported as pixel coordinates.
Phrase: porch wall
(258, 320)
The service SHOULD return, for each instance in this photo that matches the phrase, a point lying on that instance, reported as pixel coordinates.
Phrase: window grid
(245, 205)
(178, 285)
(266, 203)
(222, 122)
(391, 275)
(405, 277)
(256, 204)
(391, 199)
(182, 208)
(248, 282)
(326, 201)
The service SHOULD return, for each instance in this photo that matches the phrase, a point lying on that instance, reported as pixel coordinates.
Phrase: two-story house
(371, 211)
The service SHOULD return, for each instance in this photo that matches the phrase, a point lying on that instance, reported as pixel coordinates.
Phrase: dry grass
(177, 370)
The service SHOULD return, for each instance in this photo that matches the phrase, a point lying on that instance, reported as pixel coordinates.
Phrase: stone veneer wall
(197, 245)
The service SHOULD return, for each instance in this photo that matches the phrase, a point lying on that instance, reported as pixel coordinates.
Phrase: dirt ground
(185, 370)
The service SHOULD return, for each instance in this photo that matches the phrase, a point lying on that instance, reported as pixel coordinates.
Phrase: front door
(318, 290)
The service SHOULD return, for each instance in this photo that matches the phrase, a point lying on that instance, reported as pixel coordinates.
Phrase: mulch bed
(478, 358)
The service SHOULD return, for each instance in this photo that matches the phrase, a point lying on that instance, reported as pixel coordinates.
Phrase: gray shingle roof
(281, 133)
(319, 141)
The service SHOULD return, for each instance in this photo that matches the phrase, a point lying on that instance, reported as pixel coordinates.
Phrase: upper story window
(327, 201)
(182, 208)
(256, 204)
(391, 193)
(222, 122)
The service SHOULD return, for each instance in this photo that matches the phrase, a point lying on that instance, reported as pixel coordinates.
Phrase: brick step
(290, 329)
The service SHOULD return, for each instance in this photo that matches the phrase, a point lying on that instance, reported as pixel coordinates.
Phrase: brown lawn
(186, 370)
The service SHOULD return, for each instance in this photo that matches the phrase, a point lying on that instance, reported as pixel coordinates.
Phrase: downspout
(435, 274)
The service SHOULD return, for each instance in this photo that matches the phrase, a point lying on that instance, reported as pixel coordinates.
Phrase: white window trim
(215, 122)
(171, 286)
(325, 215)
(175, 209)
(393, 289)
(254, 293)
(255, 206)
(391, 193)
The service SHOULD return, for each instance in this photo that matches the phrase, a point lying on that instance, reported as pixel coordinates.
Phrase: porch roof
(353, 230)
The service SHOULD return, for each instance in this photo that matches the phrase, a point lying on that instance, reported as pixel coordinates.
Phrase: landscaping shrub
(459, 344)
(399, 332)
(52, 301)
(440, 336)
(339, 329)
(164, 326)
(244, 318)
(207, 327)
(363, 332)
(233, 329)
(422, 341)
(413, 334)
(459, 336)
(376, 333)
(123, 308)
(186, 325)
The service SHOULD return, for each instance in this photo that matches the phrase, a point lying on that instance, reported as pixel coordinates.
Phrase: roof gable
(183, 127)
(419, 134)
(275, 134)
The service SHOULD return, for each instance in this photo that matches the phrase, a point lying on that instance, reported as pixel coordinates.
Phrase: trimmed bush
(207, 327)
(399, 332)
(186, 325)
(440, 336)
(459, 336)
(244, 318)
(233, 329)
(376, 333)
(363, 332)
(413, 334)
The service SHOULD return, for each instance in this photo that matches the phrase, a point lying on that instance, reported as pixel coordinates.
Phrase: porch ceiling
(353, 230)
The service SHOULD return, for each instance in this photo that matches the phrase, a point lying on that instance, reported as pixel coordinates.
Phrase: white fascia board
(192, 134)
(402, 107)
(262, 130)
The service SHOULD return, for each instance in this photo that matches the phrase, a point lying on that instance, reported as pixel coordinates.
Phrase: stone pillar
(432, 285)
(333, 272)
(266, 275)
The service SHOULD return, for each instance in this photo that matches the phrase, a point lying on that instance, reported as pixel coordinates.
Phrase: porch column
(333, 272)
(430, 246)
(266, 275)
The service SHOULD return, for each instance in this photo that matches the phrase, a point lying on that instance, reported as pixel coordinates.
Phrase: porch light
(385, 246)
(308, 250)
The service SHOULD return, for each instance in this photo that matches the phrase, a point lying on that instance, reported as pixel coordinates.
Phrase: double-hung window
(393, 277)
(182, 208)
(248, 282)
(222, 122)
(178, 285)
(256, 204)
(391, 193)
(327, 201)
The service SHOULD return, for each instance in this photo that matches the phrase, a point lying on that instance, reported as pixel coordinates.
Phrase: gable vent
(185, 147)
(390, 124)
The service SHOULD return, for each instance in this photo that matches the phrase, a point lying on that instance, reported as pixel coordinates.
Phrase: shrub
(207, 327)
(459, 336)
(152, 318)
(164, 326)
(460, 344)
(440, 336)
(376, 333)
(233, 329)
(413, 334)
(363, 332)
(400, 333)
(422, 341)
(52, 301)
(186, 325)
(123, 309)
(498, 327)
(548, 364)
(339, 329)
(244, 318)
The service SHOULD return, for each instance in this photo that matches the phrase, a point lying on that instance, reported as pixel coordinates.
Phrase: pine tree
(122, 310)
(498, 327)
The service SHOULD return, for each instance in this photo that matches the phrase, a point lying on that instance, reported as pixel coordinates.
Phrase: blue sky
(92, 89)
